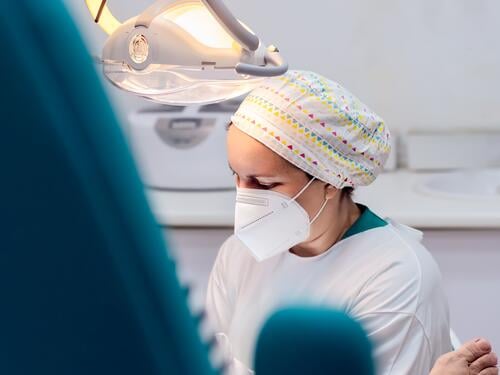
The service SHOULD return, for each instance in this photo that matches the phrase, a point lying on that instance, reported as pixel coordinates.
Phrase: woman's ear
(331, 192)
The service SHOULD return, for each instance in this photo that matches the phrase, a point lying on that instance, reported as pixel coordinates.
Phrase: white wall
(420, 63)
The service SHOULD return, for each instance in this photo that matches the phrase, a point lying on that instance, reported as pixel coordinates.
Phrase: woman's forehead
(250, 157)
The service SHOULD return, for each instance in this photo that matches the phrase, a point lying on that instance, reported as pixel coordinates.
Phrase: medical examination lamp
(182, 52)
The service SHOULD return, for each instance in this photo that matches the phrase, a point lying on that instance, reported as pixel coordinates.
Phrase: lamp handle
(275, 66)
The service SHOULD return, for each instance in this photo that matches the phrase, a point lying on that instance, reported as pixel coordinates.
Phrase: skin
(257, 167)
(472, 358)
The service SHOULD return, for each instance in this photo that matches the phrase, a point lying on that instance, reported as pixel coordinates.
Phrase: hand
(472, 358)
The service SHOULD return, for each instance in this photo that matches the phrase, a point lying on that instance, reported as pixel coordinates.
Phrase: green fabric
(319, 341)
(366, 221)
(86, 284)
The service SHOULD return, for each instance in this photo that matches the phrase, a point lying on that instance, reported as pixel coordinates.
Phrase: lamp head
(184, 52)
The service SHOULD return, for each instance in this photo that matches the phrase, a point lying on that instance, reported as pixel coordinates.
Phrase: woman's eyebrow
(253, 176)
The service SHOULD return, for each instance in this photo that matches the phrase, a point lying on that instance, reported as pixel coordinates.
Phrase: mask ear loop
(302, 190)
(319, 211)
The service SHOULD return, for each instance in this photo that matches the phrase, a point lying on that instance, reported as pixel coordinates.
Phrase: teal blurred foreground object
(299, 341)
(86, 285)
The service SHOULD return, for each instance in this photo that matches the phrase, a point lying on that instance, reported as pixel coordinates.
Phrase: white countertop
(393, 194)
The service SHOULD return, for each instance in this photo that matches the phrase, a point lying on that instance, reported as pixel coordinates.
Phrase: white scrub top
(380, 274)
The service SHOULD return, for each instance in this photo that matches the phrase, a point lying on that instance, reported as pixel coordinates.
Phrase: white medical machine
(183, 148)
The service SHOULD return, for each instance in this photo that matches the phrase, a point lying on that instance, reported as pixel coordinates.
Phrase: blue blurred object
(304, 340)
(86, 285)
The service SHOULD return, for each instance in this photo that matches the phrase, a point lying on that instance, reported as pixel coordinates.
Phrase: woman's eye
(268, 186)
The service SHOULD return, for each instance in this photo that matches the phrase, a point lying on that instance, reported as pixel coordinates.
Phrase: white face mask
(269, 223)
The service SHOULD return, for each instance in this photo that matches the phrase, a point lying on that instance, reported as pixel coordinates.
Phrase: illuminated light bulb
(197, 20)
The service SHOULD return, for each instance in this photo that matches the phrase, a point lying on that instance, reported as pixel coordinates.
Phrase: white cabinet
(470, 264)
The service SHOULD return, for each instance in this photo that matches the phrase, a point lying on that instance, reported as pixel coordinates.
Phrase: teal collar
(367, 220)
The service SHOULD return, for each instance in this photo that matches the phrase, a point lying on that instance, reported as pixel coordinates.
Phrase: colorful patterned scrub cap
(318, 126)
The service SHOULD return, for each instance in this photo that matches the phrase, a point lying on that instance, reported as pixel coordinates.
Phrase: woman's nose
(237, 180)
(244, 184)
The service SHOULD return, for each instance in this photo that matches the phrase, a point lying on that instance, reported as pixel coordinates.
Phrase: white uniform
(383, 277)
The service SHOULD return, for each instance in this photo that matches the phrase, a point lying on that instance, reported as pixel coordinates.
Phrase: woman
(298, 145)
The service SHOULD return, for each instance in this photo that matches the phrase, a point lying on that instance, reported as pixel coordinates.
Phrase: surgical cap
(318, 126)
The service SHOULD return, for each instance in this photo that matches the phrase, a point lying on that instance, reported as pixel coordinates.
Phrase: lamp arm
(231, 24)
